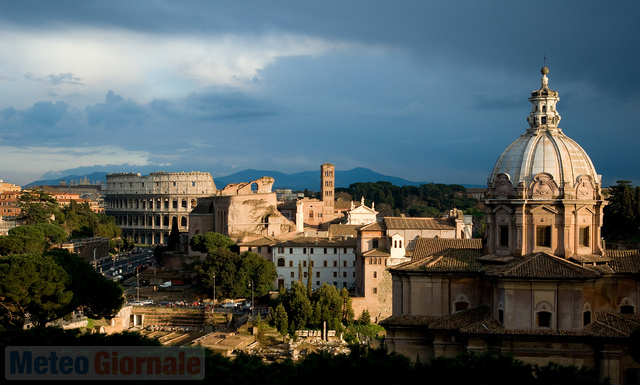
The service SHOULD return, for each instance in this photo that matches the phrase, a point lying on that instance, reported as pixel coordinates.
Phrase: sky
(429, 91)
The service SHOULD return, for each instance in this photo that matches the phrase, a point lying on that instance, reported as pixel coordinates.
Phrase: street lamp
(214, 292)
(251, 286)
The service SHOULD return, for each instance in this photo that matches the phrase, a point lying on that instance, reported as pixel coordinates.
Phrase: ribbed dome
(544, 147)
(546, 151)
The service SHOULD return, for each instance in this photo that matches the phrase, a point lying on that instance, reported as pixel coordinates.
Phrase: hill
(300, 181)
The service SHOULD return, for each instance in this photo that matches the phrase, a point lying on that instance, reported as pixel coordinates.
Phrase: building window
(543, 236)
(325, 263)
(304, 250)
(375, 243)
(504, 236)
(291, 250)
(335, 274)
(375, 274)
(344, 274)
(544, 319)
(584, 236)
(292, 275)
(290, 263)
(317, 274)
(374, 290)
(311, 250)
(280, 262)
(304, 263)
(586, 318)
(335, 263)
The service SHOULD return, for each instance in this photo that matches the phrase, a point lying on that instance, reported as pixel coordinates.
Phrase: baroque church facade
(542, 287)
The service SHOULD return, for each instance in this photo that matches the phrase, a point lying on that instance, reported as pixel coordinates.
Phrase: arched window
(460, 303)
(544, 315)
(280, 262)
(627, 306)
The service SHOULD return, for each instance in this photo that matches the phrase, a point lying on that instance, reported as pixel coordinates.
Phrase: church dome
(544, 148)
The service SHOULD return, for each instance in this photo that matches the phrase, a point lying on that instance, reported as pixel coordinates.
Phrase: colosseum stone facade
(146, 206)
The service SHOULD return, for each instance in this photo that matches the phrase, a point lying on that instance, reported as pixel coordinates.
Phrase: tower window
(584, 236)
(543, 236)
(504, 236)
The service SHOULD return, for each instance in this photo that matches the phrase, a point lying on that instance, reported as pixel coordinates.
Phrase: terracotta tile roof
(425, 247)
(375, 226)
(624, 261)
(264, 241)
(343, 230)
(418, 223)
(450, 260)
(540, 265)
(317, 242)
(405, 319)
(479, 321)
(376, 253)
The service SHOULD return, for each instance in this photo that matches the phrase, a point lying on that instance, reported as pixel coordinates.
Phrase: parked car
(136, 303)
(147, 301)
(229, 304)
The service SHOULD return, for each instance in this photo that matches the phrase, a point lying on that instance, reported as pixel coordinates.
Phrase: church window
(310, 213)
(543, 120)
(584, 236)
(544, 314)
(543, 236)
(504, 236)
(544, 319)
(586, 318)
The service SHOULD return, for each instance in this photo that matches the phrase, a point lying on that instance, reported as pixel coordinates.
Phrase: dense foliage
(622, 214)
(231, 274)
(428, 200)
(297, 310)
(50, 286)
(360, 366)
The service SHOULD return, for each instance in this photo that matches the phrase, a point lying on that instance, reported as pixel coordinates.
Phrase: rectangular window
(304, 250)
(292, 275)
(504, 236)
(317, 274)
(325, 263)
(290, 263)
(291, 250)
(543, 236)
(584, 236)
(375, 243)
(335, 263)
(311, 250)
(304, 263)
(325, 250)
(335, 274)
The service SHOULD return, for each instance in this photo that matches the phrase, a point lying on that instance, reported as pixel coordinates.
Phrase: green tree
(280, 319)
(621, 212)
(365, 318)
(300, 309)
(99, 297)
(330, 301)
(36, 207)
(32, 239)
(210, 241)
(34, 284)
(259, 270)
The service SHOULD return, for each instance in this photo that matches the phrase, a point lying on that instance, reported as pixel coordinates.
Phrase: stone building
(542, 288)
(241, 211)
(392, 241)
(145, 207)
(331, 261)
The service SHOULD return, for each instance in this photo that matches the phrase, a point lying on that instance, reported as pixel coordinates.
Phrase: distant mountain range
(300, 181)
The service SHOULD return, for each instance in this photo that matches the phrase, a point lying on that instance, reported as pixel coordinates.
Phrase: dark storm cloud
(46, 114)
(116, 112)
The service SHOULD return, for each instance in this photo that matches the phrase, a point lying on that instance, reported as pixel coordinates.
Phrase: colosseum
(145, 207)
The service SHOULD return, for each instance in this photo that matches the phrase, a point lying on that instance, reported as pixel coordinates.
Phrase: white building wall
(331, 265)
